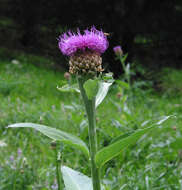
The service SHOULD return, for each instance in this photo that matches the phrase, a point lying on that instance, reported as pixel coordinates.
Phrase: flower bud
(67, 75)
(118, 50)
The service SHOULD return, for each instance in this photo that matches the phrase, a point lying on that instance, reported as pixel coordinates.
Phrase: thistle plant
(84, 51)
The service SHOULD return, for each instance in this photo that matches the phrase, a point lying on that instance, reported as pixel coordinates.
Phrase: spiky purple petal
(94, 40)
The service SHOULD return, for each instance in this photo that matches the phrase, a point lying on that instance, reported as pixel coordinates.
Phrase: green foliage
(152, 163)
(123, 84)
(6, 22)
(75, 180)
(139, 39)
(69, 88)
(55, 134)
(91, 88)
(102, 92)
(121, 143)
(171, 81)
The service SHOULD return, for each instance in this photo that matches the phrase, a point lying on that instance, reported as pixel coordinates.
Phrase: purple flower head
(94, 40)
(118, 50)
(12, 158)
(19, 151)
(54, 186)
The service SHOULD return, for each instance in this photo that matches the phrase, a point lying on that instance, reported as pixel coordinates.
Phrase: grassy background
(28, 94)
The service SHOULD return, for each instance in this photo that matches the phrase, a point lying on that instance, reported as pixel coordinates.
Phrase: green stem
(90, 109)
(58, 168)
(127, 76)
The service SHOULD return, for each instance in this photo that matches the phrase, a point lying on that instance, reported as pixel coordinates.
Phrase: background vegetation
(28, 94)
(31, 68)
(150, 31)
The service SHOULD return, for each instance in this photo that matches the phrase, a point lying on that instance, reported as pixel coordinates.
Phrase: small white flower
(15, 62)
(2, 144)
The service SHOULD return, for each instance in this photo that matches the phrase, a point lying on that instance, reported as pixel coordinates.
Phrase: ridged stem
(127, 75)
(90, 109)
(58, 167)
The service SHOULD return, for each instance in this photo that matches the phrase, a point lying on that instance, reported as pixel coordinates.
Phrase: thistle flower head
(93, 40)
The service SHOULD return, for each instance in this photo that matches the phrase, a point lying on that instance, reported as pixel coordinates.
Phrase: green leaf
(69, 88)
(122, 136)
(122, 142)
(164, 118)
(109, 152)
(91, 88)
(55, 134)
(177, 144)
(123, 84)
(75, 180)
(102, 92)
(108, 77)
(124, 57)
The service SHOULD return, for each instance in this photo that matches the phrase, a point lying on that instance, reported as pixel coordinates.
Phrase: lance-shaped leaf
(163, 119)
(124, 57)
(122, 142)
(102, 92)
(91, 88)
(56, 134)
(75, 180)
(122, 136)
(109, 152)
(69, 88)
(123, 84)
